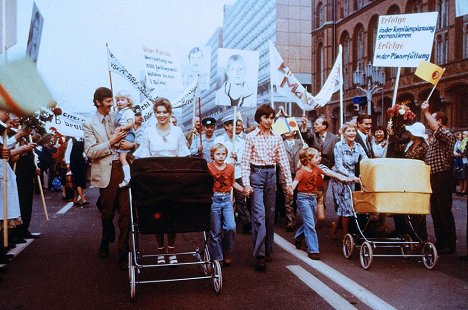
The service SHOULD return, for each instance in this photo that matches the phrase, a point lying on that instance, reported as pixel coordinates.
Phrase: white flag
(115, 66)
(332, 84)
(286, 83)
(288, 86)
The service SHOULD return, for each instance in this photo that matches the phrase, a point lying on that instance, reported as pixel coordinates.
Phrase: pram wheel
(430, 256)
(348, 245)
(206, 258)
(406, 245)
(366, 255)
(132, 276)
(217, 276)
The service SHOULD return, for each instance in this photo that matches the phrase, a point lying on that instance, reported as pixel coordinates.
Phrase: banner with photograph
(237, 78)
(35, 32)
(197, 63)
(404, 40)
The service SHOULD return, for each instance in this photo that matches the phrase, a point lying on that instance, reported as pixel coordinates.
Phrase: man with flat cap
(234, 156)
(203, 149)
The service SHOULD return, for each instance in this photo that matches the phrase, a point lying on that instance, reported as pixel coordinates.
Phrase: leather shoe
(314, 256)
(29, 235)
(261, 264)
(298, 244)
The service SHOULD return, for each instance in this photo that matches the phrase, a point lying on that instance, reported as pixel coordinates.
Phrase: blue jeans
(222, 223)
(307, 204)
(263, 200)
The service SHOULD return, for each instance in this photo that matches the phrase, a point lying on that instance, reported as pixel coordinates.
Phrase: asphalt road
(62, 270)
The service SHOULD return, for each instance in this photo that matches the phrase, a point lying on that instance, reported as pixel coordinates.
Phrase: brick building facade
(353, 24)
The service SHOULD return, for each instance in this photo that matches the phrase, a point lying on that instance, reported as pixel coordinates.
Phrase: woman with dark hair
(76, 161)
(379, 142)
(163, 140)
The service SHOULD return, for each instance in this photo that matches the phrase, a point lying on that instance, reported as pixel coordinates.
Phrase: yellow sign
(429, 72)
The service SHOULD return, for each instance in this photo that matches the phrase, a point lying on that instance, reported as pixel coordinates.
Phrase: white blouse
(155, 145)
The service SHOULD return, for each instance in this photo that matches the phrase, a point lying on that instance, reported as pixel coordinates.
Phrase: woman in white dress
(163, 140)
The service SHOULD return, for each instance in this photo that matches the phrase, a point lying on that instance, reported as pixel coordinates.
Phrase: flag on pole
(22, 90)
(187, 97)
(115, 66)
(332, 84)
(429, 72)
(285, 125)
(288, 85)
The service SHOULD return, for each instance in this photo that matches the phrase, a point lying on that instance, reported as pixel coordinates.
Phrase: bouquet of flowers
(400, 115)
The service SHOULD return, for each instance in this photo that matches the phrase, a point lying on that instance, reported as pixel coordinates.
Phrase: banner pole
(200, 117)
(395, 90)
(234, 122)
(5, 192)
(433, 88)
(110, 74)
(341, 86)
(39, 183)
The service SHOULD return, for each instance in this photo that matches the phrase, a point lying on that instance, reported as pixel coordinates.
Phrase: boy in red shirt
(223, 225)
(308, 181)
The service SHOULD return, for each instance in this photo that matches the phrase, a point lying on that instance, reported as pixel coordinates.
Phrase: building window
(320, 15)
(360, 48)
(345, 43)
(321, 66)
(442, 7)
(465, 40)
(445, 46)
(345, 8)
(415, 6)
(439, 49)
(358, 4)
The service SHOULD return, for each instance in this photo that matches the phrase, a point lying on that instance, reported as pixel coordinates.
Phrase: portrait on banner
(197, 64)
(35, 32)
(237, 78)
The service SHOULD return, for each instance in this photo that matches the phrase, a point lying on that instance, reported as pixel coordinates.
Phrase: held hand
(304, 123)
(5, 153)
(117, 137)
(289, 190)
(38, 171)
(425, 106)
(126, 145)
(248, 190)
(200, 149)
(234, 156)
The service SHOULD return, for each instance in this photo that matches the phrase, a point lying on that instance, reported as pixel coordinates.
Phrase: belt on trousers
(218, 194)
(262, 167)
(308, 194)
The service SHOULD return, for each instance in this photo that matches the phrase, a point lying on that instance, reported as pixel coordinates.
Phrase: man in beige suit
(101, 144)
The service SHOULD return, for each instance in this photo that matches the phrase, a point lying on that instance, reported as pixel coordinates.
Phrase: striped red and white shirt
(264, 149)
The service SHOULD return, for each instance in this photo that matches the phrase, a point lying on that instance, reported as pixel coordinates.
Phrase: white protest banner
(288, 85)
(404, 40)
(68, 124)
(147, 112)
(10, 24)
(162, 69)
(115, 66)
(187, 97)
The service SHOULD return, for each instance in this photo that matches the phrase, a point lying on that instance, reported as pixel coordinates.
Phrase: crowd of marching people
(249, 167)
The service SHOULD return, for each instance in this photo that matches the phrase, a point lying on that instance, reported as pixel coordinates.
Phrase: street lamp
(372, 77)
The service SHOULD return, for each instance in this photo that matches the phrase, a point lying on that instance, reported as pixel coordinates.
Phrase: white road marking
(18, 249)
(354, 288)
(330, 296)
(65, 208)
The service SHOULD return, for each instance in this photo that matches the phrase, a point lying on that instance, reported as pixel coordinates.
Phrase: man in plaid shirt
(440, 157)
(262, 151)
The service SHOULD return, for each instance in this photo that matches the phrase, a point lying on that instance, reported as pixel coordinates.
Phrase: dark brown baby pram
(171, 195)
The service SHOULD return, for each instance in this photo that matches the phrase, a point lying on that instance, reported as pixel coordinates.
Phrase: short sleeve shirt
(223, 179)
(309, 181)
